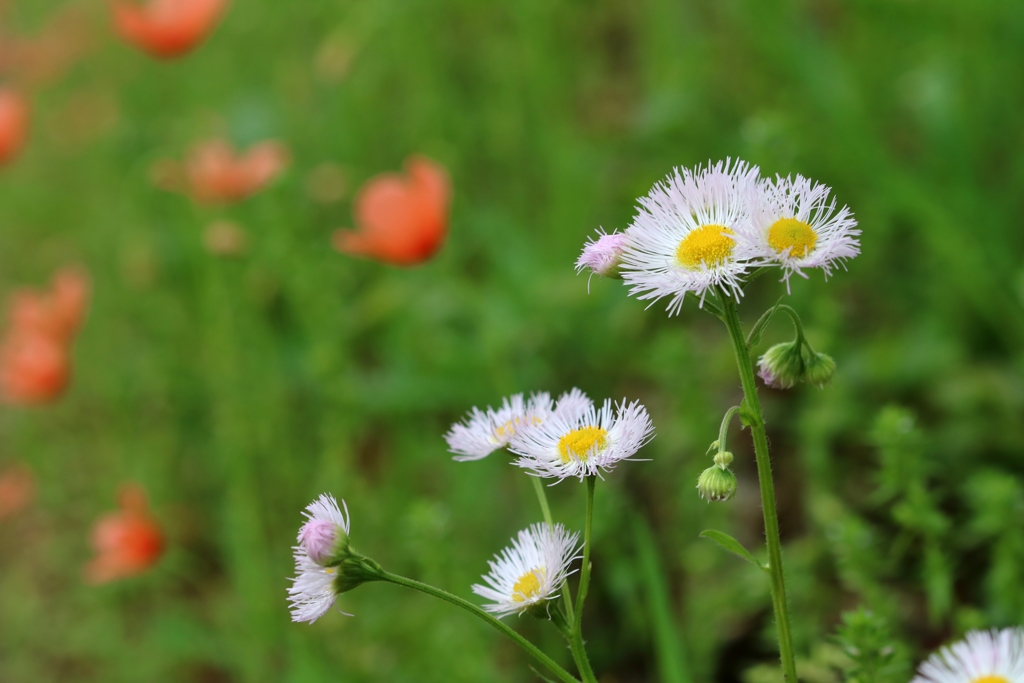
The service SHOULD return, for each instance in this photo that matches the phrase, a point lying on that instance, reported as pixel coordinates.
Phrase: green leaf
(730, 544)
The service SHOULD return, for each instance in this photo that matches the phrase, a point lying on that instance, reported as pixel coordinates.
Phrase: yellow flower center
(990, 679)
(579, 442)
(791, 232)
(709, 244)
(528, 585)
(505, 431)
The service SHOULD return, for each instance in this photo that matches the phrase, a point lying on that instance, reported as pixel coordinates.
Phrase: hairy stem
(755, 418)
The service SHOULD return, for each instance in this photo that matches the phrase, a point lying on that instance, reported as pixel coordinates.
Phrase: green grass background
(237, 390)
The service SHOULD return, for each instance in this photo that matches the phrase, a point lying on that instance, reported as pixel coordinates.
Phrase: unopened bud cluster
(717, 483)
(790, 363)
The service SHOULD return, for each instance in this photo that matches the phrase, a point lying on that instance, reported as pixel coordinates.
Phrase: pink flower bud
(603, 255)
(319, 537)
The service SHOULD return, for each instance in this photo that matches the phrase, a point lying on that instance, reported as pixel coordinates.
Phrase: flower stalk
(579, 652)
(545, 509)
(755, 420)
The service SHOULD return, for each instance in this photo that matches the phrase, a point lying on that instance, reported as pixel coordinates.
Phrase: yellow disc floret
(792, 234)
(504, 432)
(578, 443)
(990, 679)
(528, 586)
(709, 244)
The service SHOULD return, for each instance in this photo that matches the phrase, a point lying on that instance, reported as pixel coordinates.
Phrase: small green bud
(723, 458)
(782, 366)
(819, 369)
(716, 484)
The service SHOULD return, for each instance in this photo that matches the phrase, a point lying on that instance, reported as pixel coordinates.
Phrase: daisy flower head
(529, 572)
(688, 234)
(581, 439)
(981, 657)
(796, 224)
(325, 564)
(602, 255)
(484, 431)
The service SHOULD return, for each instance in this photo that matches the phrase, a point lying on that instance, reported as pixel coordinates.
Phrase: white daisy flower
(686, 234)
(313, 590)
(796, 225)
(981, 657)
(580, 440)
(483, 432)
(325, 563)
(530, 571)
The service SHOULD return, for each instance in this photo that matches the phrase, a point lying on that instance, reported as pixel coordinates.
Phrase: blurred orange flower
(35, 353)
(127, 542)
(402, 219)
(33, 368)
(14, 117)
(57, 313)
(214, 172)
(17, 490)
(166, 28)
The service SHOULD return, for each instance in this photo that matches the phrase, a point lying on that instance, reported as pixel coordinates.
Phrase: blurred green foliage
(236, 390)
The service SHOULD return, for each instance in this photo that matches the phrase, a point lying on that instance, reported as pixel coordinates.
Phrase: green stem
(532, 649)
(795, 317)
(724, 429)
(579, 652)
(542, 498)
(764, 474)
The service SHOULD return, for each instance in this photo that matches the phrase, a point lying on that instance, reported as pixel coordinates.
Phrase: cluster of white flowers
(570, 437)
(708, 227)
